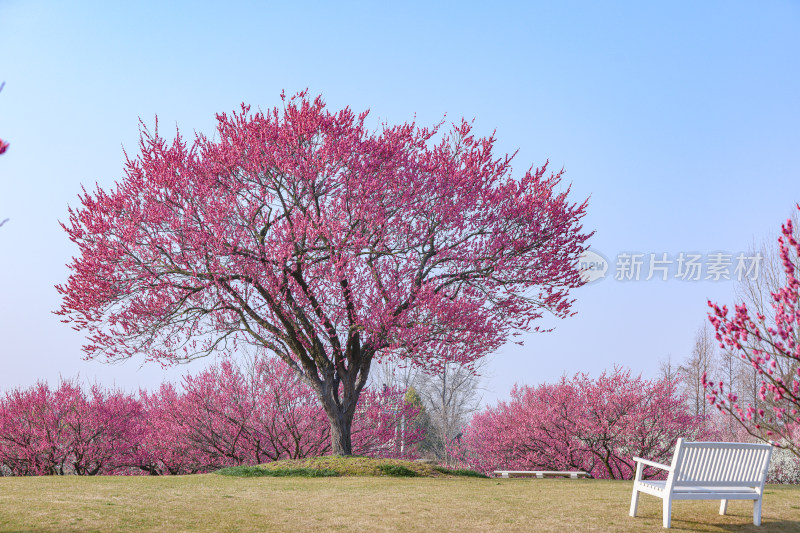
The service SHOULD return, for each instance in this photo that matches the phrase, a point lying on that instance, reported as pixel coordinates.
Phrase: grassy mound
(257, 471)
(334, 465)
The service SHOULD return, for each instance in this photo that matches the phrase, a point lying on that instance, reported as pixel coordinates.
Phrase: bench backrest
(730, 464)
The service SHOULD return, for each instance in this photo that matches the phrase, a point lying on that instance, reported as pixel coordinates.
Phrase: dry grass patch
(220, 503)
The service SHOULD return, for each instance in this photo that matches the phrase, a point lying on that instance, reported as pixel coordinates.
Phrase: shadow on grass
(396, 471)
(460, 472)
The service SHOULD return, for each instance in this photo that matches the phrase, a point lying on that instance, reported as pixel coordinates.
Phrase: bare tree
(749, 384)
(755, 291)
(396, 375)
(392, 374)
(700, 365)
(668, 371)
(450, 396)
(732, 372)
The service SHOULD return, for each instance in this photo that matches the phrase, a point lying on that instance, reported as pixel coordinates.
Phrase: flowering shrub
(784, 467)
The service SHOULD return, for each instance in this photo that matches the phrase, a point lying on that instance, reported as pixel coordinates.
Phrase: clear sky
(679, 119)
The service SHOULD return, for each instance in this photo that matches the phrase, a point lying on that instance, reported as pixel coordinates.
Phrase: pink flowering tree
(538, 426)
(629, 416)
(32, 440)
(234, 417)
(264, 412)
(595, 425)
(68, 430)
(771, 344)
(308, 235)
(164, 448)
(102, 431)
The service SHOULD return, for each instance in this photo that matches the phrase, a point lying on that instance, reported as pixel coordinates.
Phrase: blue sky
(679, 119)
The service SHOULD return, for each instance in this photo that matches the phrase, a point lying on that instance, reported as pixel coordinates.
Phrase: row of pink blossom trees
(68, 429)
(594, 425)
(226, 415)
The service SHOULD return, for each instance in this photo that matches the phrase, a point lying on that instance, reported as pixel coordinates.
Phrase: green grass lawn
(214, 502)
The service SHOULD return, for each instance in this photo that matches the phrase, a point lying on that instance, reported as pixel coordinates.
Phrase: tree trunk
(341, 439)
(339, 397)
(340, 410)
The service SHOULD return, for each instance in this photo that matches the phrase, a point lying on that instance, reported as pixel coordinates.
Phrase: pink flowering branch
(771, 345)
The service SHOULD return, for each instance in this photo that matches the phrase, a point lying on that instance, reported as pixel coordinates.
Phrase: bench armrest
(652, 463)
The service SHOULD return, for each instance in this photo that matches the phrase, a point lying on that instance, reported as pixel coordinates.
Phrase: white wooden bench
(708, 471)
(539, 474)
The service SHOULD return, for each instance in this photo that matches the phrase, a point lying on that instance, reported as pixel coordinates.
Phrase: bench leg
(757, 512)
(634, 502)
(667, 518)
(723, 506)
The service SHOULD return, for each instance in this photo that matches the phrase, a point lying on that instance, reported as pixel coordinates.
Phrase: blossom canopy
(304, 233)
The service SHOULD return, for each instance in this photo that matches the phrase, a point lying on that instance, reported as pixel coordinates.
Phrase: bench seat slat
(659, 485)
(709, 483)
